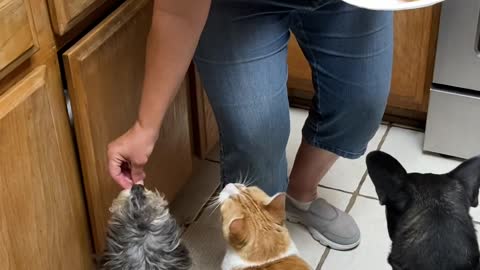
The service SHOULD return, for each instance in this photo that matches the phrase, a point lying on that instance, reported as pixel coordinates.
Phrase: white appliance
(453, 120)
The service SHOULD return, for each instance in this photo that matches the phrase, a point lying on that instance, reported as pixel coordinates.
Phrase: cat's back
(288, 263)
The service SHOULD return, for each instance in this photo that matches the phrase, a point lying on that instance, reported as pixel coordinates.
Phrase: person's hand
(128, 154)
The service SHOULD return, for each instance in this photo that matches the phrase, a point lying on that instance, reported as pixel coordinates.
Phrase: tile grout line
(407, 127)
(202, 210)
(335, 189)
(362, 181)
(355, 194)
(185, 226)
(380, 144)
(206, 204)
(323, 259)
(367, 197)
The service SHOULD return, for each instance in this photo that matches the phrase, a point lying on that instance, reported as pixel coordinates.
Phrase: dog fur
(428, 214)
(142, 235)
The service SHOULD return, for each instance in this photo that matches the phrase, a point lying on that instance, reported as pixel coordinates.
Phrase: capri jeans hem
(310, 138)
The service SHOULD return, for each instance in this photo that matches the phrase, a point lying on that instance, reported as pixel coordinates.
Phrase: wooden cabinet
(300, 84)
(414, 51)
(18, 39)
(43, 221)
(415, 41)
(205, 127)
(26, 40)
(51, 200)
(105, 72)
(66, 13)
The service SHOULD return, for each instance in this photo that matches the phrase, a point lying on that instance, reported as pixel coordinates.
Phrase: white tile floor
(340, 186)
(406, 146)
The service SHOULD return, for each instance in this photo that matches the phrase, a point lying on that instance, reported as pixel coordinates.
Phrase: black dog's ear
(388, 176)
(468, 173)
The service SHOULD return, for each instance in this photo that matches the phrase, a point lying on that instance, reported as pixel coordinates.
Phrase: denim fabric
(242, 60)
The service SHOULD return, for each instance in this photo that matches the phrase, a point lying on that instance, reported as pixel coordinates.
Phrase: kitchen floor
(347, 186)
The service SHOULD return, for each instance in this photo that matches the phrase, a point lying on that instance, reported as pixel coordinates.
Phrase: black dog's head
(428, 214)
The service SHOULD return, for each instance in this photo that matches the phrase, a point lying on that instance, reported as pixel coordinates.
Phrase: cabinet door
(414, 52)
(66, 13)
(17, 35)
(205, 124)
(105, 73)
(299, 72)
(415, 40)
(43, 221)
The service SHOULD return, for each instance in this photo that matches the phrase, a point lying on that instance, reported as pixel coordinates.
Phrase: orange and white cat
(253, 225)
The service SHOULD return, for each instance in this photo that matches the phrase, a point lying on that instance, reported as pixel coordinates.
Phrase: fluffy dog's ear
(388, 176)
(468, 173)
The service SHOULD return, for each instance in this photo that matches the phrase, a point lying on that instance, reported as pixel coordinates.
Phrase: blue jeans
(242, 60)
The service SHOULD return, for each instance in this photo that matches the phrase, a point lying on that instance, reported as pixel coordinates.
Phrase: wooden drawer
(18, 39)
(105, 72)
(42, 214)
(66, 13)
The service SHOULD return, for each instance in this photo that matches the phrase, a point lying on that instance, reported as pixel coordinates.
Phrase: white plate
(393, 4)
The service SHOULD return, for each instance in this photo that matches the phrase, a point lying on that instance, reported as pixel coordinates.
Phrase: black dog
(428, 214)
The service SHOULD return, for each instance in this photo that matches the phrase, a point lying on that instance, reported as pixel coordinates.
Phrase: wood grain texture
(105, 72)
(206, 134)
(39, 23)
(84, 23)
(43, 221)
(299, 72)
(414, 52)
(66, 13)
(18, 39)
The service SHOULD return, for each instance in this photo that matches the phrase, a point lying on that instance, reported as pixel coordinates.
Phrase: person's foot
(327, 224)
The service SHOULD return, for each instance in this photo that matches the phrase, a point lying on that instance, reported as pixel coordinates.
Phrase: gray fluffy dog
(142, 235)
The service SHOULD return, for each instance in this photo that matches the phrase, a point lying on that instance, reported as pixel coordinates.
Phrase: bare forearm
(175, 30)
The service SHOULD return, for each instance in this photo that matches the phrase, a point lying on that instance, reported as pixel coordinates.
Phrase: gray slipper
(327, 224)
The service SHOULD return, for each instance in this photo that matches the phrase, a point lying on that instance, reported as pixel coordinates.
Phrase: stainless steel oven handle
(477, 43)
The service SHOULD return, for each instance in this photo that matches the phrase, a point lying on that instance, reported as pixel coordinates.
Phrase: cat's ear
(388, 176)
(276, 208)
(237, 233)
(468, 173)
